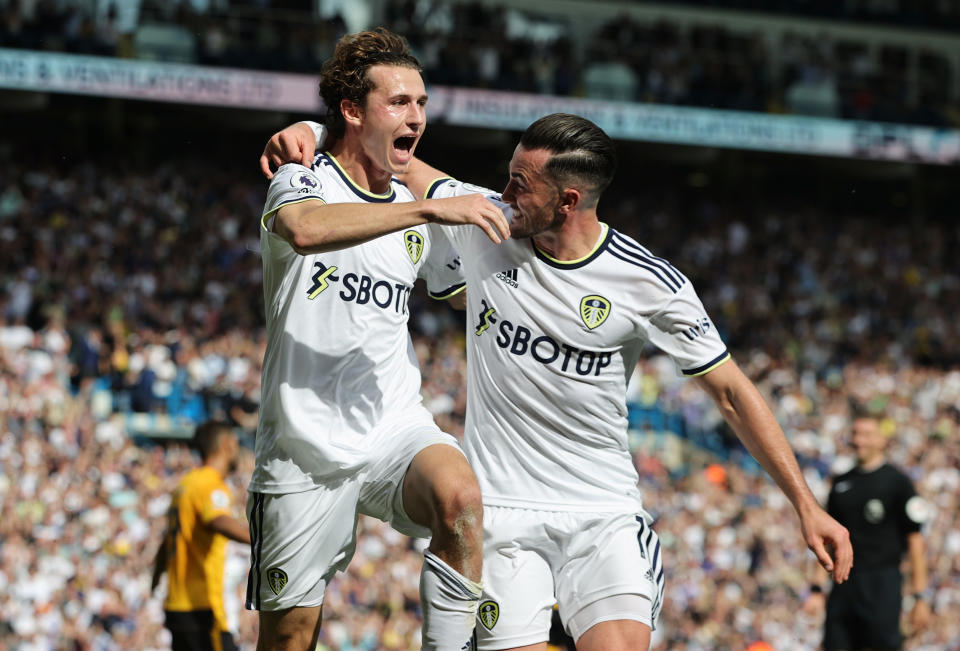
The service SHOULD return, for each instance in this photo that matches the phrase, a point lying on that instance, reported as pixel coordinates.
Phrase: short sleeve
(442, 270)
(214, 501)
(683, 330)
(914, 509)
(446, 187)
(292, 183)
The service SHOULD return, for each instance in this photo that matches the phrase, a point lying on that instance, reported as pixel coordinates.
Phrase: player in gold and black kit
(879, 506)
(193, 551)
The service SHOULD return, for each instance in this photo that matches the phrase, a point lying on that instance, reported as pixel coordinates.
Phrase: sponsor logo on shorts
(276, 578)
(594, 310)
(489, 613)
(414, 243)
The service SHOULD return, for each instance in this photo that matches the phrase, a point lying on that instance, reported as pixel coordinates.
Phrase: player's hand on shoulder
(471, 209)
(295, 144)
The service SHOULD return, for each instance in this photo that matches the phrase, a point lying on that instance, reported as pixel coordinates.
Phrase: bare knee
(440, 492)
(458, 528)
(458, 510)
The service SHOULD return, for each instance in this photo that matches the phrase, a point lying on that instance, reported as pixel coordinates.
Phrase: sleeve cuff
(709, 366)
(448, 292)
(267, 216)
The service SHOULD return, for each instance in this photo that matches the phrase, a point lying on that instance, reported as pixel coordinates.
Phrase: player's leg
(223, 641)
(516, 609)
(298, 542)
(440, 492)
(879, 607)
(191, 630)
(615, 634)
(421, 484)
(189, 640)
(840, 621)
(610, 586)
(293, 629)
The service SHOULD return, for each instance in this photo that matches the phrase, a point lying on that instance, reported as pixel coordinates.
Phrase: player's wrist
(816, 588)
(923, 595)
(429, 210)
(806, 504)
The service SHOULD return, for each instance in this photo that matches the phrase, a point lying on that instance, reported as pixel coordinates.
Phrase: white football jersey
(551, 346)
(339, 365)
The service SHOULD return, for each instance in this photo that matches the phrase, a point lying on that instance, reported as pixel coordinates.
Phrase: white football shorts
(581, 561)
(298, 541)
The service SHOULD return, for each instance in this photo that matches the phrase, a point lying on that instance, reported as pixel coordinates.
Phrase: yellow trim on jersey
(603, 237)
(356, 187)
(268, 215)
(722, 360)
(443, 297)
(432, 186)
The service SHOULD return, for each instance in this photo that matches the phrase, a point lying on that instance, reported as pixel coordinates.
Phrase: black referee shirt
(879, 508)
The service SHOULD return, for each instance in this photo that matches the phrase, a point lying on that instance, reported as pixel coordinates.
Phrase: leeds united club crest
(276, 578)
(489, 613)
(594, 310)
(414, 243)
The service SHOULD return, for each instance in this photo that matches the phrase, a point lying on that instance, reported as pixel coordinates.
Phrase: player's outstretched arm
(231, 527)
(747, 413)
(316, 227)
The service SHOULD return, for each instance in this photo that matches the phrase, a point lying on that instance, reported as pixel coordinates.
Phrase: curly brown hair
(344, 75)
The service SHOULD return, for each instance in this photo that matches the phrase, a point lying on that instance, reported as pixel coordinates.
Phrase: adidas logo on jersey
(509, 276)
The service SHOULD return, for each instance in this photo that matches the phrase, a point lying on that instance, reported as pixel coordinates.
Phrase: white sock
(449, 601)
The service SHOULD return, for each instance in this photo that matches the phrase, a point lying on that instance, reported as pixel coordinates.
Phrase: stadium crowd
(469, 44)
(127, 291)
(933, 14)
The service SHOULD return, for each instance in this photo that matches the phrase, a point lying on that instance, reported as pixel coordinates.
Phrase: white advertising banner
(163, 82)
(189, 84)
(703, 127)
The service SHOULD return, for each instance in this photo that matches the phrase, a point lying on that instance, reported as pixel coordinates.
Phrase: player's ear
(352, 112)
(570, 200)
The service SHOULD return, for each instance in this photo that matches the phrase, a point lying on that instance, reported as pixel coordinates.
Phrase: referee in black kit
(879, 506)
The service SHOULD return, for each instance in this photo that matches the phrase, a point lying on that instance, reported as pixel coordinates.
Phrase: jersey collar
(360, 192)
(576, 264)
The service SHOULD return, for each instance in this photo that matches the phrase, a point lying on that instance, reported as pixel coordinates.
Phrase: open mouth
(405, 143)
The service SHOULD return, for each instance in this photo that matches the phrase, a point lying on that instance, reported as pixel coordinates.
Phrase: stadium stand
(748, 60)
(135, 290)
(131, 308)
